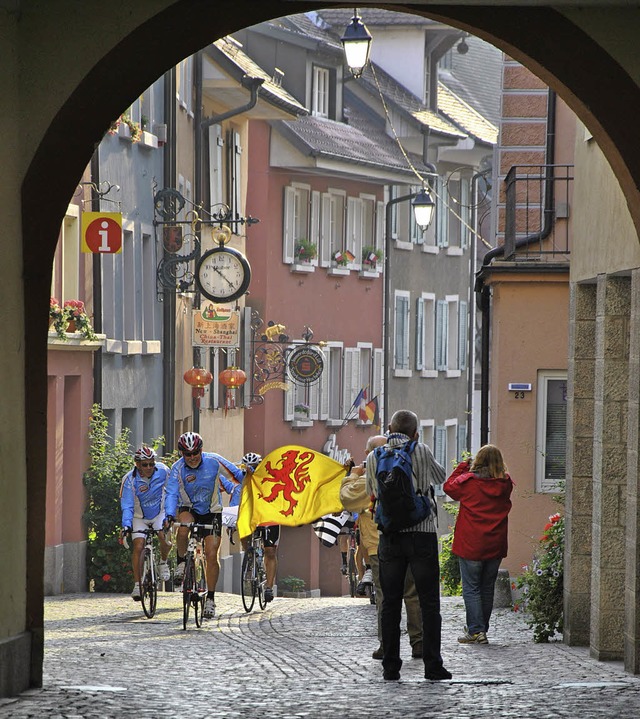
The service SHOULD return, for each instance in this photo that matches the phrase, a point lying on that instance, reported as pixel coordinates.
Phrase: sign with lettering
(216, 326)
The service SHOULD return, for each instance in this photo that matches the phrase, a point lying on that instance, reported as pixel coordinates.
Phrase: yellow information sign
(102, 232)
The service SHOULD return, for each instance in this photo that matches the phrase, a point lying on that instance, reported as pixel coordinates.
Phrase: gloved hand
(168, 521)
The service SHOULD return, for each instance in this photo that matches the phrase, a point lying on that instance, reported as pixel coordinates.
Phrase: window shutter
(235, 187)
(325, 385)
(314, 230)
(442, 324)
(465, 213)
(378, 366)
(289, 399)
(350, 377)
(216, 143)
(314, 400)
(380, 226)
(420, 333)
(442, 214)
(325, 231)
(440, 449)
(402, 333)
(354, 224)
(288, 225)
(463, 321)
(462, 441)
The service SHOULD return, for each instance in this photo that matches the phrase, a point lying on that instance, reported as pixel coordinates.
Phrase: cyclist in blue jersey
(142, 499)
(193, 495)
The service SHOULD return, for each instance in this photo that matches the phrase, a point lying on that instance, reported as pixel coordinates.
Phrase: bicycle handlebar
(194, 524)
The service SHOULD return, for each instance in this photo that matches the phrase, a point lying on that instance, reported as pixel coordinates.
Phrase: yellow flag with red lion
(291, 486)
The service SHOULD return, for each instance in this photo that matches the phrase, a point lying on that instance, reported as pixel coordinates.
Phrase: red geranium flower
(106, 577)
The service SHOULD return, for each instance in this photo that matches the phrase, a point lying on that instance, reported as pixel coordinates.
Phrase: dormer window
(321, 92)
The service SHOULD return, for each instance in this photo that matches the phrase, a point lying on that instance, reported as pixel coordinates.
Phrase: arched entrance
(63, 84)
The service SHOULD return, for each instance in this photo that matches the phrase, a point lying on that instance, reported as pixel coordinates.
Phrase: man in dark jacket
(483, 489)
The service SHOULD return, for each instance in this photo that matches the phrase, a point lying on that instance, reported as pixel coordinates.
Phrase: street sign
(102, 232)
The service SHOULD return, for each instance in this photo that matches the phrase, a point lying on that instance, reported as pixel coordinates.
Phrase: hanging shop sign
(306, 365)
(102, 232)
(216, 326)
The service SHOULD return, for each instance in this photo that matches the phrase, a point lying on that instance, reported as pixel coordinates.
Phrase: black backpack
(399, 505)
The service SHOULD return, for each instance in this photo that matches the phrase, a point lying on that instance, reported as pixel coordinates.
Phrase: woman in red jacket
(483, 489)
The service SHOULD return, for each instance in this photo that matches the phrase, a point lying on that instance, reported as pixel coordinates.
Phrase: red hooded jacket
(482, 524)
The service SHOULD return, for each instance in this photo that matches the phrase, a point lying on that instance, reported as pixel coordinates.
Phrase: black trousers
(396, 552)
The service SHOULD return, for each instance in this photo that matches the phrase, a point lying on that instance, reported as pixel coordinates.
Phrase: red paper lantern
(231, 378)
(198, 378)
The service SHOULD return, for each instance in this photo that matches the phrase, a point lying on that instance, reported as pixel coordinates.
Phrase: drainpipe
(96, 271)
(252, 84)
(168, 296)
(484, 292)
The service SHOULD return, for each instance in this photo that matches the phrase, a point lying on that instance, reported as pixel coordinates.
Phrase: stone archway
(64, 82)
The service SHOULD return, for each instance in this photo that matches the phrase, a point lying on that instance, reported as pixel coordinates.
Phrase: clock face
(223, 274)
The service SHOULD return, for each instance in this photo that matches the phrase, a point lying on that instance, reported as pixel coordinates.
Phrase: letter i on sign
(102, 232)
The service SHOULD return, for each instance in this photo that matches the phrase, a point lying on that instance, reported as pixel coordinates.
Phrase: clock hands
(219, 271)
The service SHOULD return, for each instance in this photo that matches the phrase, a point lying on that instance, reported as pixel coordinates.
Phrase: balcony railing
(537, 210)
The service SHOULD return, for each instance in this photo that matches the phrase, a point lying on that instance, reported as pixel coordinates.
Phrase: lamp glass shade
(356, 42)
(423, 207)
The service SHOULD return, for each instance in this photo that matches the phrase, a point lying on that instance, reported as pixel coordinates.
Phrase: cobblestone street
(300, 658)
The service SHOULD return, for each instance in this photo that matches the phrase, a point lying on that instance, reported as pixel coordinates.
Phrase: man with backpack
(401, 476)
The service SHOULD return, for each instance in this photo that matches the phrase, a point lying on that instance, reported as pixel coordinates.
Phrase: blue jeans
(478, 584)
(396, 552)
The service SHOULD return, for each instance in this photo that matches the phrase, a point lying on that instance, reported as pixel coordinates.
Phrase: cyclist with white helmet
(193, 495)
(270, 532)
(142, 499)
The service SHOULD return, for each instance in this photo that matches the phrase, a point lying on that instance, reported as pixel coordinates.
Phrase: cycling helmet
(144, 452)
(190, 442)
(251, 459)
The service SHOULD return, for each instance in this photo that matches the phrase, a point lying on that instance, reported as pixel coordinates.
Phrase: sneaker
(209, 611)
(135, 594)
(367, 577)
(416, 651)
(344, 570)
(163, 570)
(178, 574)
(268, 594)
(361, 590)
(379, 653)
(478, 638)
(437, 675)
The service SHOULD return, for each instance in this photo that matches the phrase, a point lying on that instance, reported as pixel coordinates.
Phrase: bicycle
(253, 571)
(194, 583)
(148, 573)
(352, 572)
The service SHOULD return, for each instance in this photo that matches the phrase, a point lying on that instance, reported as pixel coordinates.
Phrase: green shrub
(292, 584)
(450, 580)
(108, 562)
(541, 583)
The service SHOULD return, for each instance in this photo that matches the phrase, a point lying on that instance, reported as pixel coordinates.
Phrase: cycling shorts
(140, 524)
(270, 535)
(214, 518)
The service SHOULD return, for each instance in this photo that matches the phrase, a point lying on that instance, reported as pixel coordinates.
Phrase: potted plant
(293, 587)
(341, 259)
(78, 320)
(302, 410)
(305, 250)
(371, 256)
(58, 318)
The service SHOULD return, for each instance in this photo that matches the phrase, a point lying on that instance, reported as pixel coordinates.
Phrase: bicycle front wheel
(353, 575)
(249, 580)
(188, 586)
(200, 592)
(261, 581)
(148, 585)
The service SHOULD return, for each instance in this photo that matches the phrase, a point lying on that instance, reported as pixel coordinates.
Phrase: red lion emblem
(291, 475)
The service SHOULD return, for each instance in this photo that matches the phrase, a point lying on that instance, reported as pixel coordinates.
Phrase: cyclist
(142, 499)
(193, 492)
(270, 531)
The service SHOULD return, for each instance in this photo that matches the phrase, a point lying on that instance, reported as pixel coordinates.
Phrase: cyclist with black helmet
(142, 499)
(193, 495)
(270, 532)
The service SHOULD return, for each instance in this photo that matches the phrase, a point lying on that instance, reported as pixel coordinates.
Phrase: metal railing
(537, 211)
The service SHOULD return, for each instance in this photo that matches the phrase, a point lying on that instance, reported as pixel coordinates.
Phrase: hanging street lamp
(423, 207)
(356, 42)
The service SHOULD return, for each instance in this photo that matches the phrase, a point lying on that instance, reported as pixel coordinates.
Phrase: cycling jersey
(198, 488)
(234, 489)
(143, 498)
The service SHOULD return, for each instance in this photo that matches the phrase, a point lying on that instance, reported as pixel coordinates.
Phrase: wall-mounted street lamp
(356, 42)
(423, 208)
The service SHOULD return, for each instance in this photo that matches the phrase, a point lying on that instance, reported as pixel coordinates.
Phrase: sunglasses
(146, 465)
(195, 453)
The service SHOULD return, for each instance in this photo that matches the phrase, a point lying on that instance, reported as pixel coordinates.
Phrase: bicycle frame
(194, 584)
(253, 572)
(148, 575)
